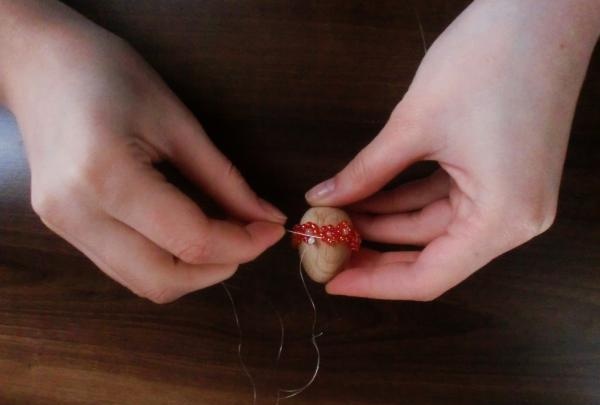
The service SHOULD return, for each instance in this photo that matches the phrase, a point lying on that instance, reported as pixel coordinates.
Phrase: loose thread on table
(282, 393)
(241, 342)
(290, 393)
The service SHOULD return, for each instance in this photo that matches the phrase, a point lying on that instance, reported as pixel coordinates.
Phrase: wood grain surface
(270, 80)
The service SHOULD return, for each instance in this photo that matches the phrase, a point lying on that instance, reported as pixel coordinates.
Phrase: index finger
(142, 199)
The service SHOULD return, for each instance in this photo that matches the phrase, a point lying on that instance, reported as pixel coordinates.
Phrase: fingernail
(273, 211)
(320, 191)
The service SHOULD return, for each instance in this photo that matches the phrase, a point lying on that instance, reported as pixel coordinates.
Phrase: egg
(320, 260)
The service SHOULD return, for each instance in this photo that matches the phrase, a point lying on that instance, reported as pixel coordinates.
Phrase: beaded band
(343, 232)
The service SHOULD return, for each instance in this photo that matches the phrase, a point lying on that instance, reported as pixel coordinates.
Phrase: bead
(343, 232)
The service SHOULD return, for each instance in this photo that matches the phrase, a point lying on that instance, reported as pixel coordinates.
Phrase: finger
(444, 263)
(198, 158)
(414, 228)
(397, 146)
(407, 197)
(141, 198)
(370, 258)
(135, 262)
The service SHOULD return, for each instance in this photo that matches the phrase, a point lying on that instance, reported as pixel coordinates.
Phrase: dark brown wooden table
(269, 79)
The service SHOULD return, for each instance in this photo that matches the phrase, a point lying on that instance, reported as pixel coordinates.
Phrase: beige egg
(320, 260)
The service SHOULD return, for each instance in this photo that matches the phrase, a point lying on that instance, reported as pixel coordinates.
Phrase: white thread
(421, 30)
(304, 234)
(240, 344)
(290, 393)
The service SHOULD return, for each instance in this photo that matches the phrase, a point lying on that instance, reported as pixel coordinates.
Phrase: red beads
(344, 232)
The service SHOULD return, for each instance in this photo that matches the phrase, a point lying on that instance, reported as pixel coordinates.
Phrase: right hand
(95, 117)
(492, 103)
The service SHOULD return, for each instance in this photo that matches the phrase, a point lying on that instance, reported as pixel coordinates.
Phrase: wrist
(32, 34)
(578, 19)
(554, 39)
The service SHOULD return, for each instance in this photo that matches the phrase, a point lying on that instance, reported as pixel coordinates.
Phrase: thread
(421, 29)
(240, 343)
(282, 393)
(290, 393)
(308, 235)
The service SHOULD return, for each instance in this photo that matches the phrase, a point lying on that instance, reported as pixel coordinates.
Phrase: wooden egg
(320, 260)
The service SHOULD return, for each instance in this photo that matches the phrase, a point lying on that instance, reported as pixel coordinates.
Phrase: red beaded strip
(343, 232)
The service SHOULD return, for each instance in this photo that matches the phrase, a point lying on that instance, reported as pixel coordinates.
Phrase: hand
(94, 118)
(492, 102)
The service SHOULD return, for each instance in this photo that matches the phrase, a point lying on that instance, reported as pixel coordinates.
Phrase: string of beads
(309, 233)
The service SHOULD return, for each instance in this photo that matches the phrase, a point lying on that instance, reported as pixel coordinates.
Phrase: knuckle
(53, 199)
(233, 173)
(535, 221)
(233, 178)
(99, 179)
(98, 173)
(160, 295)
(90, 176)
(195, 253)
(51, 208)
(358, 169)
(45, 204)
(155, 290)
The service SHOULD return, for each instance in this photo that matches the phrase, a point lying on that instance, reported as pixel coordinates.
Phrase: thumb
(396, 147)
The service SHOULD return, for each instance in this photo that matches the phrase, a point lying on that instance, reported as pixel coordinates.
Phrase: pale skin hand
(94, 117)
(492, 102)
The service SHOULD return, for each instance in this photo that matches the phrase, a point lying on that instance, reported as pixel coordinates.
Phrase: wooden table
(272, 77)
